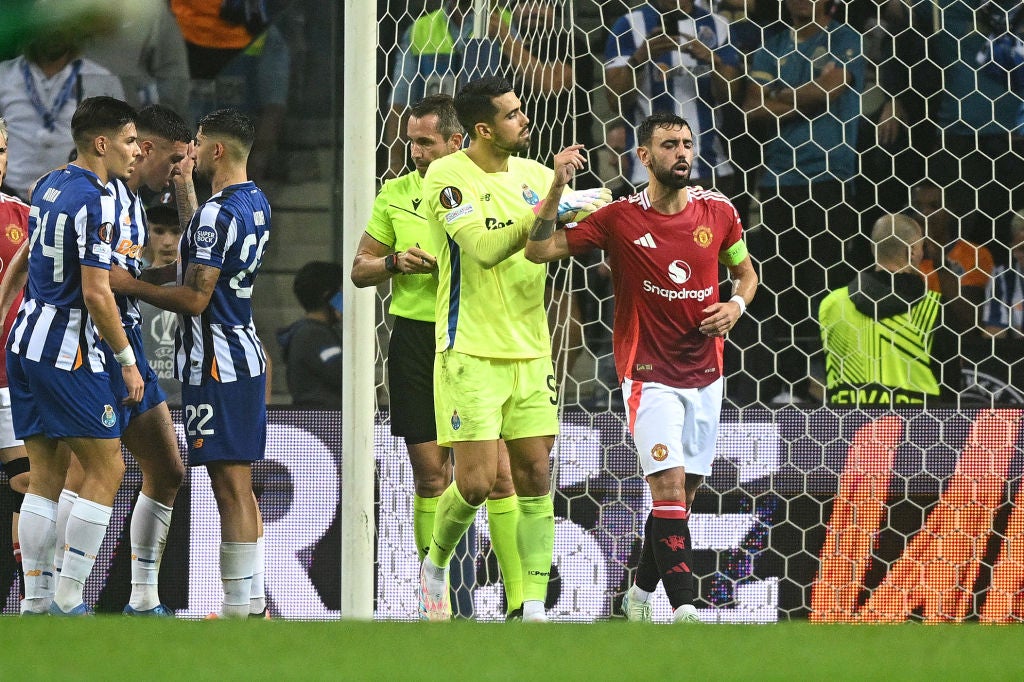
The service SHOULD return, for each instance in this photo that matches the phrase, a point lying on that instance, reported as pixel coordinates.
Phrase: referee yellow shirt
(399, 220)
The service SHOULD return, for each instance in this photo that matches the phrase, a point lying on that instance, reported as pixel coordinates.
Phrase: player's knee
(172, 475)
(431, 477)
(531, 478)
(475, 490)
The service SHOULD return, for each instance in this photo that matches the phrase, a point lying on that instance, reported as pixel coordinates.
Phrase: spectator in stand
(958, 269)
(884, 335)
(807, 82)
(981, 150)
(142, 44)
(39, 92)
(215, 31)
(1003, 314)
(1004, 311)
(311, 346)
(438, 52)
(672, 56)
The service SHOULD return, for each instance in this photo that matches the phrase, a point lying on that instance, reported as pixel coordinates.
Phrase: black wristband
(391, 263)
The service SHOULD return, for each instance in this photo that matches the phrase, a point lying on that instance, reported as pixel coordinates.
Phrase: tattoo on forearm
(542, 229)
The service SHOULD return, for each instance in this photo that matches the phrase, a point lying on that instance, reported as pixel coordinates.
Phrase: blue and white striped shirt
(228, 232)
(70, 225)
(129, 236)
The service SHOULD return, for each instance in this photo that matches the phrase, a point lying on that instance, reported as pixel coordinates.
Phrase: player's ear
(644, 155)
(146, 146)
(100, 144)
(483, 130)
(455, 142)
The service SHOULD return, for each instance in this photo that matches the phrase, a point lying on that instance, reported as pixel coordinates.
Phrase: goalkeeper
(493, 376)
(396, 246)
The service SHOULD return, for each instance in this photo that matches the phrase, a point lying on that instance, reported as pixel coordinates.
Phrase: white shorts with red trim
(7, 437)
(673, 427)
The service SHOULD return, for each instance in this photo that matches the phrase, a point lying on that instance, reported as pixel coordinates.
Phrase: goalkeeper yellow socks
(451, 521)
(423, 510)
(503, 520)
(536, 536)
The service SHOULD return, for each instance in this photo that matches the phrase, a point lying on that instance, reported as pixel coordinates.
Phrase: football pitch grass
(113, 647)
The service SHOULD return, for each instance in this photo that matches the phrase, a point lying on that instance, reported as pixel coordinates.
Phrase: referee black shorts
(411, 380)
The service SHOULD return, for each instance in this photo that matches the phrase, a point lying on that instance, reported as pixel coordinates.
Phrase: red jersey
(664, 272)
(13, 231)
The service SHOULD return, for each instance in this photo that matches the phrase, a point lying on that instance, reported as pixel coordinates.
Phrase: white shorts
(7, 439)
(674, 427)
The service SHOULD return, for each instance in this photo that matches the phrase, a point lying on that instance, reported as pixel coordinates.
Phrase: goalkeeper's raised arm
(562, 205)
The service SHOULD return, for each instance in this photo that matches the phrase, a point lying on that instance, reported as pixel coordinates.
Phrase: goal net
(830, 512)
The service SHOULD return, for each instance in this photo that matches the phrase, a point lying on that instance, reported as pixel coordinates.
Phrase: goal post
(357, 192)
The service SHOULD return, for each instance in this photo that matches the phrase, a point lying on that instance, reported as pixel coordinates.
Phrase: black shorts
(411, 380)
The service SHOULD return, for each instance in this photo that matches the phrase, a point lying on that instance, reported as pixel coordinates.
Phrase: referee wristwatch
(391, 263)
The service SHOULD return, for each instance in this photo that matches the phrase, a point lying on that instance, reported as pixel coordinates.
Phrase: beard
(669, 179)
(520, 145)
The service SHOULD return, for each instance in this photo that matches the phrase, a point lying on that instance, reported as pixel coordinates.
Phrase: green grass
(108, 647)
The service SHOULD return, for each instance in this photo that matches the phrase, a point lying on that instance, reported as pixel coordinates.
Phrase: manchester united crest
(659, 452)
(703, 236)
(14, 233)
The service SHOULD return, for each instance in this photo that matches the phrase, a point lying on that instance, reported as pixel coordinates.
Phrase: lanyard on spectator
(49, 116)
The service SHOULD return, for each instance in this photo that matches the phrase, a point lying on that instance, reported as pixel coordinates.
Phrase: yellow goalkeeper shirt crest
(483, 310)
(399, 220)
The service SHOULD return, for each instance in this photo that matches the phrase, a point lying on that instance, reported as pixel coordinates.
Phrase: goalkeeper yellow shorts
(477, 399)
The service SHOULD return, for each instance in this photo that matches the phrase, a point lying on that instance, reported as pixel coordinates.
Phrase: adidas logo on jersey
(647, 241)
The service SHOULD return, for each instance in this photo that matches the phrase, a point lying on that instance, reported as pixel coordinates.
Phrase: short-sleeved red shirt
(13, 232)
(665, 273)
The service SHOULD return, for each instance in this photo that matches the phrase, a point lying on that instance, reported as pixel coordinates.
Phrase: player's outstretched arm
(545, 244)
(189, 298)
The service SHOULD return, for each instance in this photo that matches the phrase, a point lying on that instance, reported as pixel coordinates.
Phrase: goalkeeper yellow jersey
(492, 312)
(399, 220)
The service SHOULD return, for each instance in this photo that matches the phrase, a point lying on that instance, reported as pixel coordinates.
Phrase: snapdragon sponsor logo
(672, 294)
(679, 272)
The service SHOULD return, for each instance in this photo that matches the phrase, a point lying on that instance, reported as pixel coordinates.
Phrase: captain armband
(734, 255)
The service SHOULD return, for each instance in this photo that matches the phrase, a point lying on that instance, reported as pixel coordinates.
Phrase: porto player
(664, 246)
(219, 357)
(58, 372)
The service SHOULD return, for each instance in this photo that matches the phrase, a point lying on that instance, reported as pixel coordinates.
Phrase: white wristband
(738, 300)
(125, 357)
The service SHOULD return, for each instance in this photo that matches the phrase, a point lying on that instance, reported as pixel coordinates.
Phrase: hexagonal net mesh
(874, 153)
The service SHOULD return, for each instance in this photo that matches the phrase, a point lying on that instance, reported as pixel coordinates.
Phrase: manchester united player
(664, 246)
(13, 459)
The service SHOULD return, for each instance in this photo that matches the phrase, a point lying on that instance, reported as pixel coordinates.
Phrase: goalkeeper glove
(578, 204)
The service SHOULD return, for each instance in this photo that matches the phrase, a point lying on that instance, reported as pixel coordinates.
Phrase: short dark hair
(164, 122)
(230, 123)
(98, 115)
(474, 103)
(316, 282)
(443, 106)
(660, 119)
(162, 214)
